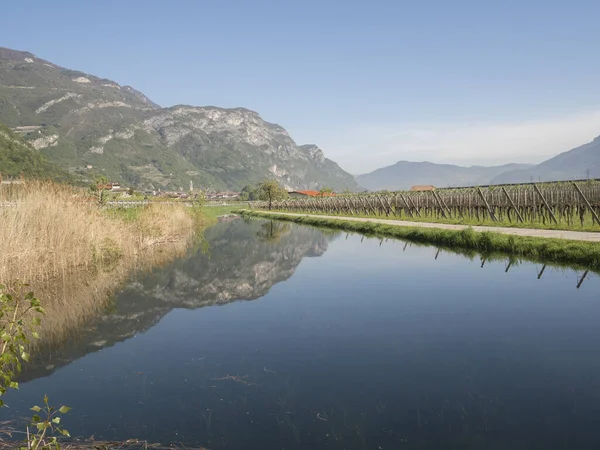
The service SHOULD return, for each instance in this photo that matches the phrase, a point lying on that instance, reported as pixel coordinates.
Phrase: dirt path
(558, 234)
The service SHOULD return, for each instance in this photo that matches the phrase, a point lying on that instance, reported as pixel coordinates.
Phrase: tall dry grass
(73, 254)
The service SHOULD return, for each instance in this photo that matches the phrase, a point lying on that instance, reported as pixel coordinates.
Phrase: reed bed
(73, 254)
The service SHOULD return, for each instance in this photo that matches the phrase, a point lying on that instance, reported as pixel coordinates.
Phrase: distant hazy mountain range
(405, 174)
(93, 126)
(579, 163)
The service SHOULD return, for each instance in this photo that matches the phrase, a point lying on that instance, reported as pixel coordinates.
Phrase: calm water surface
(343, 342)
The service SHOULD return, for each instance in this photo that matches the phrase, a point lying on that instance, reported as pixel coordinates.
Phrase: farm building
(427, 187)
(309, 193)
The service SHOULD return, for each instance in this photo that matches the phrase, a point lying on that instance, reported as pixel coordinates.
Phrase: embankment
(552, 250)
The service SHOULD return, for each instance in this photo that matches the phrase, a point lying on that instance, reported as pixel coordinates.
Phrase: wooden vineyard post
(594, 215)
(513, 205)
(334, 206)
(363, 204)
(384, 207)
(371, 207)
(408, 207)
(397, 211)
(348, 204)
(355, 205)
(545, 203)
(414, 207)
(391, 208)
(444, 204)
(489, 208)
(439, 203)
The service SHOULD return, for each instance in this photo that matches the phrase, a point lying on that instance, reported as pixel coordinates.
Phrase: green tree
(325, 191)
(249, 193)
(270, 191)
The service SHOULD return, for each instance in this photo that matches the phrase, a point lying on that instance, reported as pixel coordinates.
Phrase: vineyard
(560, 204)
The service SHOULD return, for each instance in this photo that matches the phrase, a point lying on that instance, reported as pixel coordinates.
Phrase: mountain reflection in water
(241, 260)
(374, 344)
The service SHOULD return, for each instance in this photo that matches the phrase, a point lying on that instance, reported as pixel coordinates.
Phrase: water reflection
(271, 231)
(234, 265)
(374, 344)
(510, 261)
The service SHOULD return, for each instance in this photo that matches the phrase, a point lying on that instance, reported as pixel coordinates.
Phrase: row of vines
(565, 203)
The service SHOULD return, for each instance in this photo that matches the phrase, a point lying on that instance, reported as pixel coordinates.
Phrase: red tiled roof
(314, 193)
(427, 187)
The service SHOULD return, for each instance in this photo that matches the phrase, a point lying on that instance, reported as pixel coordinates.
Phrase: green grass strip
(546, 250)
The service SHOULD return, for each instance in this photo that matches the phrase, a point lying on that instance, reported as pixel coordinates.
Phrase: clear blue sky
(371, 82)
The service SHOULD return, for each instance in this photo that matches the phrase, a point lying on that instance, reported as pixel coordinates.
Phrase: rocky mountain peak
(16, 55)
(141, 97)
(86, 121)
(313, 152)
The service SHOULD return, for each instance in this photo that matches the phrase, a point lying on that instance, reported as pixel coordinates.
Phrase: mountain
(93, 126)
(18, 157)
(405, 174)
(576, 164)
(245, 261)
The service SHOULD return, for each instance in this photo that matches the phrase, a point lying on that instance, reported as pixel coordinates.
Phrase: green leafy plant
(45, 425)
(16, 325)
(20, 314)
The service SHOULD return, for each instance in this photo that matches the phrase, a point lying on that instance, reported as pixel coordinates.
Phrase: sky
(370, 82)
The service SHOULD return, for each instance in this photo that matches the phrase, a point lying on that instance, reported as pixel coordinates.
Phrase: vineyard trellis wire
(559, 203)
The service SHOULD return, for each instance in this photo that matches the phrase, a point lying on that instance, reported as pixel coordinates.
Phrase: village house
(169, 194)
(222, 195)
(113, 187)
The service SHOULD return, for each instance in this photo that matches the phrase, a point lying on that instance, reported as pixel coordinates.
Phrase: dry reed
(73, 254)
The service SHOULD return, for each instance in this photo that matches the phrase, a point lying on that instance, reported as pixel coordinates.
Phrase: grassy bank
(585, 254)
(74, 254)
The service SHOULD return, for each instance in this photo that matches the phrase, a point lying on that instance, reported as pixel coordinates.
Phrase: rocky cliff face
(87, 120)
